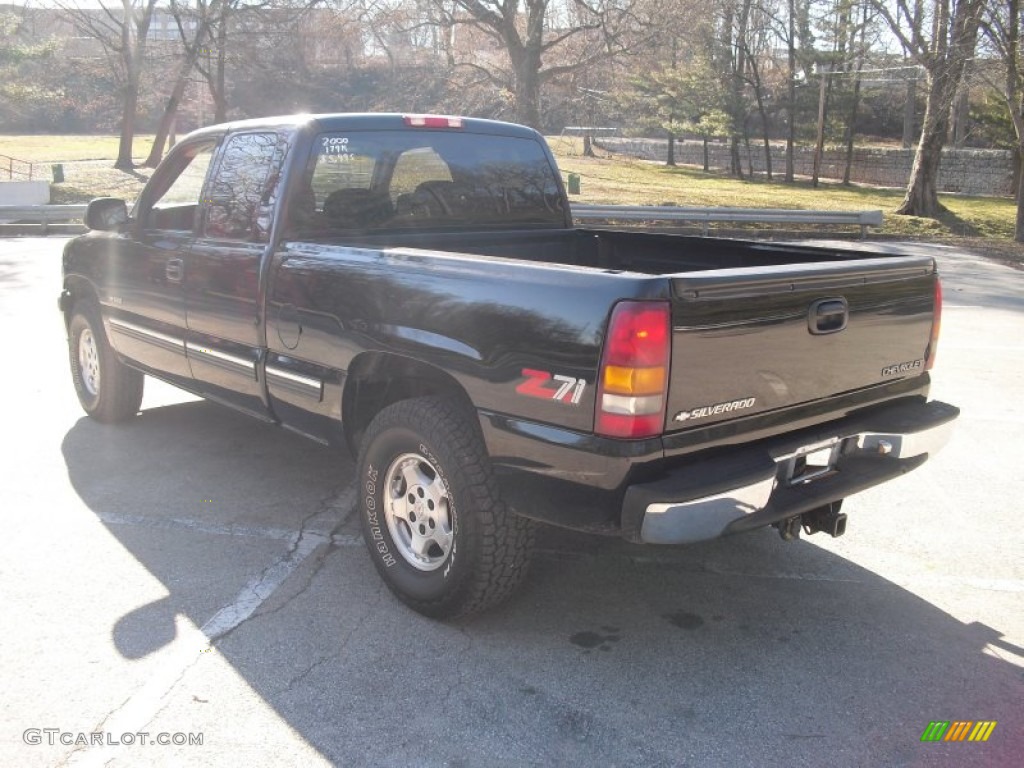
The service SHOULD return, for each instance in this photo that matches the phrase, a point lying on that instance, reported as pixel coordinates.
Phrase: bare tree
(240, 34)
(193, 30)
(121, 29)
(1002, 27)
(943, 52)
(532, 33)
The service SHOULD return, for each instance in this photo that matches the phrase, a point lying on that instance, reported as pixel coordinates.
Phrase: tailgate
(745, 341)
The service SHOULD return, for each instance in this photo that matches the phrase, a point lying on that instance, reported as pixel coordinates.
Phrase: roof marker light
(432, 121)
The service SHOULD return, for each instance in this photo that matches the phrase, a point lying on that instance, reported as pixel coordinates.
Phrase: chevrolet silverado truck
(413, 288)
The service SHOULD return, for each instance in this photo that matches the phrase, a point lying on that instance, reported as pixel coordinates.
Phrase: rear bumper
(746, 488)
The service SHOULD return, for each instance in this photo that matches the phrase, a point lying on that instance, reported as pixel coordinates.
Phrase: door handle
(175, 270)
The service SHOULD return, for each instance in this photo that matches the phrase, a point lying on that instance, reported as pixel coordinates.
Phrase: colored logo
(958, 730)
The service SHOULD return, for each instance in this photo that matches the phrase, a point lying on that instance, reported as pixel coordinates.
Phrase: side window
(177, 195)
(189, 185)
(241, 194)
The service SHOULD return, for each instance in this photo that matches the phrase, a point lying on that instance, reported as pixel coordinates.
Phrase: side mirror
(106, 213)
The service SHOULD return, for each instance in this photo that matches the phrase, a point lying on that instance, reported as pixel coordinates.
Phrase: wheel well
(78, 291)
(376, 381)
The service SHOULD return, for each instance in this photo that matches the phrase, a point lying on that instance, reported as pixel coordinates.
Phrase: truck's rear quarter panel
(482, 321)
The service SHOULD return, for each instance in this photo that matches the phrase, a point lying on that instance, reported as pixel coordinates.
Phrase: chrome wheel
(89, 362)
(417, 511)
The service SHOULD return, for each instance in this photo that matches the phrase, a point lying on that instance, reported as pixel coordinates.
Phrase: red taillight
(633, 380)
(432, 121)
(933, 343)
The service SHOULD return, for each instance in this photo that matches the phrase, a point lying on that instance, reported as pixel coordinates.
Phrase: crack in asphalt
(337, 499)
(343, 501)
(145, 704)
(460, 660)
(337, 653)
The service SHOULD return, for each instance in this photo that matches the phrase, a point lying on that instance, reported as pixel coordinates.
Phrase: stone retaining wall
(968, 171)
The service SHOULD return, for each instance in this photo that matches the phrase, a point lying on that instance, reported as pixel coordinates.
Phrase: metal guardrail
(43, 215)
(705, 216)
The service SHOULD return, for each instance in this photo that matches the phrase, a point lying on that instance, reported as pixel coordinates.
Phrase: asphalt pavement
(197, 576)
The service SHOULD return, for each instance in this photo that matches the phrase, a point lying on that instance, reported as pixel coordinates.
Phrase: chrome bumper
(789, 476)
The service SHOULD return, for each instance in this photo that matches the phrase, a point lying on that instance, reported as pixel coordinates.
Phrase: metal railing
(704, 216)
(43, 215)
(10, 167)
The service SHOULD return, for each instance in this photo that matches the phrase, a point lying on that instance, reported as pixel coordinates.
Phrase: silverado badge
(714, 410)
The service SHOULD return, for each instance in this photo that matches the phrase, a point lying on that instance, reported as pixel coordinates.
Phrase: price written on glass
(335, 147)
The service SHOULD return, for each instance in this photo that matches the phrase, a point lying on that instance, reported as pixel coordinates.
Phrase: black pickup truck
(413, 287)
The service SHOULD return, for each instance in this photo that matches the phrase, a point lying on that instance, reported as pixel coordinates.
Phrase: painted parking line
(187, 649)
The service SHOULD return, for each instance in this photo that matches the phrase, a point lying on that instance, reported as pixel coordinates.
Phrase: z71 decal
(566, 389)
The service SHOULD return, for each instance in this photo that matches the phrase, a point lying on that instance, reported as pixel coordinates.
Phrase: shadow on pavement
(739, 652)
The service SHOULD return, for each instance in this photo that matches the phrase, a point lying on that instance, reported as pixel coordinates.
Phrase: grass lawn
(47, 149)
(88, 164)
(627, 181)
(981, 222)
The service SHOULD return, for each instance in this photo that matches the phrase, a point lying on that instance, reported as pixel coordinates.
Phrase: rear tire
(438, 534)
(108, 390)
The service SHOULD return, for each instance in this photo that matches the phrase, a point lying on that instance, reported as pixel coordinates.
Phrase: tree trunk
(750, 154)
(767, 139)
(791, 106)
(526, 64)
(218, 78)
(164, 127)
(851, 131)
(819, 145)
(170, 113)
(220, 97)
(124, 160)
(588, 145)
(735, 162)
(707, 158)
(671, 160)
(909, 113)
(959, 118)
(922, 197)
(945, 67)
(1018, 231)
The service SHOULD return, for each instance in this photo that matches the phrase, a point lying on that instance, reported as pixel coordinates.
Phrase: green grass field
(64, 149)
(88, 171)
(626, 181)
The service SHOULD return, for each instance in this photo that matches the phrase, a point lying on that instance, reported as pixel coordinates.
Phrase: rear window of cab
(424, 179)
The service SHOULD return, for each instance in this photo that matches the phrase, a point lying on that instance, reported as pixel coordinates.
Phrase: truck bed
(744, 314)
(632, 251)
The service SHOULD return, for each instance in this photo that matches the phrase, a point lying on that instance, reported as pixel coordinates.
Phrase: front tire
(439, 535)
(108, 390)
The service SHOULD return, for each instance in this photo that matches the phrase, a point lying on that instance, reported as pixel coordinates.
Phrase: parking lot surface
(194, 574)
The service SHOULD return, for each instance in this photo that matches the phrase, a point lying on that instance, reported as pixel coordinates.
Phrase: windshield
(374, 181)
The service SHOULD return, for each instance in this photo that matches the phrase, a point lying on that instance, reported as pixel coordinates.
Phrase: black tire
(423, 467)
(108, 390)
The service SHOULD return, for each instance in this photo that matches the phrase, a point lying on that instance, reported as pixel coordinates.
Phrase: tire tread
(505, 539)
(121, 387)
